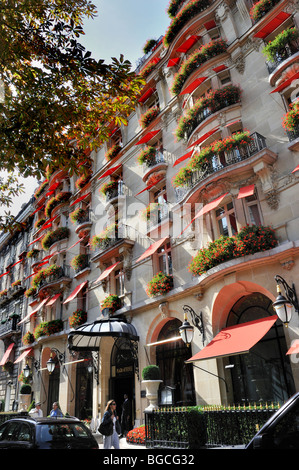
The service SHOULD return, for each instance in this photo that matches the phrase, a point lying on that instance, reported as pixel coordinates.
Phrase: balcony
(61, 277)
(9, 326)
(116, 194)
(284, 55)
(155, 163)
(83, 222)
(235, 161)
(109, 247)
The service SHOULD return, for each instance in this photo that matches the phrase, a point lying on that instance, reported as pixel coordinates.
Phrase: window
(226, 220)
(119, 277)
(164, 259)
(252, 210)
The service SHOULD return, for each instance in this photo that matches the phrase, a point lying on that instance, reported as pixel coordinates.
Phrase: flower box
(250, 240)
(33, 253)
(82, 180)
(160, 284)
(147, 156)
(40, 189)
(54, 236)
(28, 338)
(199, 57)
(261, 8)
(55, 201)
(113, 152)
(78, 215)
(109, 187)
(275, 47)
(77, 318)
(291, 120)
(112, 302)
(104, 238)
(79, 262)
(149, 116)
(48, 328)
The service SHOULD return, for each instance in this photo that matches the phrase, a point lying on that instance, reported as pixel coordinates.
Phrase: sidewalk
(123, 444)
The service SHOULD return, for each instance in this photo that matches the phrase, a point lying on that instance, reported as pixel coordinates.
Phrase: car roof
(46, 420)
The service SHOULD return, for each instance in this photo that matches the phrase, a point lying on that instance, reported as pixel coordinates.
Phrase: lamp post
(26, 371)
(51, 364)
(284, 305)
(186, 330)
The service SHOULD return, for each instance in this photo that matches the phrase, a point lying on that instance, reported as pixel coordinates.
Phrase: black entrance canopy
(87, 337)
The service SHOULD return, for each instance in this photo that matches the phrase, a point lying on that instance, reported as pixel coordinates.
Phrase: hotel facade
(187, 213)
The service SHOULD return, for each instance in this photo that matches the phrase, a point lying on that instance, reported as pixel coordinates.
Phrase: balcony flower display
(3, 293)
(112, 302)
(54, 236)
(28, 338)
(112, 152)
(77, 318)
(214, 101)
(39, 223)
(173, 7)
(40, 189)
(77, 215)
(55, 201)
(48, 328)
(109, 233)
(79, 261)
(200, 160)
(108, 187)
(148, 69)
(250, 240)
(16, 283)
(83, 180)
(30, 292)
(37, 279)
(32, 253)
(136, 435)
(275, 47)
(195, 60)
(261, 8)
(291, 120)
(147, 155)
(160, 284)
(149, 116)
(149, 45)
(187, 13)
(150, 211)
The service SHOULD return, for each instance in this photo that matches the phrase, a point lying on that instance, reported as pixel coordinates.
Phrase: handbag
(106, 428)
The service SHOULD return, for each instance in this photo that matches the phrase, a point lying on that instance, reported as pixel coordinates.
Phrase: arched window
(264, 374)
(171, 359)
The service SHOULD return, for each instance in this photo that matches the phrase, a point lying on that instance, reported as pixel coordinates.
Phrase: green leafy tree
(57, 98)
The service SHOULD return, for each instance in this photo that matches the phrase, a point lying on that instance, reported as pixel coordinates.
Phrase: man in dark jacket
(126, 423)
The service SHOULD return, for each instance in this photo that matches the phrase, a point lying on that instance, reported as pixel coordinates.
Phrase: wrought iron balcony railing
(285, 53)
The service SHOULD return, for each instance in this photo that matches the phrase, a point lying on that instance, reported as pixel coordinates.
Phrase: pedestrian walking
(126, 416)
(37, 411)
(56, 411)
(110, 414)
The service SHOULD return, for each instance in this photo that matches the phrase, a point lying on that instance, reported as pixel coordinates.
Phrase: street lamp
(26, 371)
(284, 305)
(186, 330)
(51, 364)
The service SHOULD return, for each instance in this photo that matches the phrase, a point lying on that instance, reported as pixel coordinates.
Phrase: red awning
(237, 339)
(23, 355)
(148, 137)
(146, 95)
(246, 191)
(16, 263)
(6, 354)
(280, 18)
(207, 208)
(195, 84)
(106, 272)
(294, 349)
(220, 68)
(204, 137)
(4, 274)
(210, 25)
(296, 169)
(45, 225)
(152, 249)
(110, 171)
(37, 209)
(188, 43)
(79, 199)
(40, 305)
(173, 62)
(237, 121)
(149, 187)
(184, 157)
(286, 83)
(36, 240)
(53, 300)
(75, 292)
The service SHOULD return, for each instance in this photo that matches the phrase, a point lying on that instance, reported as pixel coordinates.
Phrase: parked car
(281, 431)
(46, 433)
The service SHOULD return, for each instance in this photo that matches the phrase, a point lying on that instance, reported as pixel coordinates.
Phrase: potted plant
(78, 318)
(149, 116)
(25, 397)
(291, 119)
(79, 262)
(28, 338)
(77, 215)
(110, 304)
(160, 284)
(112, 152)
(33, 253)
(54, 236)
(149, 45)
(151, 378)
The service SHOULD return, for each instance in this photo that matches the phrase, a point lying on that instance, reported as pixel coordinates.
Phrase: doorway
(122, 375)
(54, 380)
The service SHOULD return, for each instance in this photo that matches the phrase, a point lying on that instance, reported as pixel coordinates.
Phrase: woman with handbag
(110, 416)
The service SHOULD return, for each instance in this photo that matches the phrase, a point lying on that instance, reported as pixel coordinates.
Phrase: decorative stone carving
(164, 309)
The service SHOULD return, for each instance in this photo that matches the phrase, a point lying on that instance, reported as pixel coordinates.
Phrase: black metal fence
(194, 428)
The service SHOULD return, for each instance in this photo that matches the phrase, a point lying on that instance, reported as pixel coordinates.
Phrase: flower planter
(152, 387)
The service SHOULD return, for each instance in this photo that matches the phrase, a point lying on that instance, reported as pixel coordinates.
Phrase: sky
(121, 27)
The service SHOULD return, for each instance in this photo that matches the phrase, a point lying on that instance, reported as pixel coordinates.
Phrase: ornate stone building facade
(193, 203)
